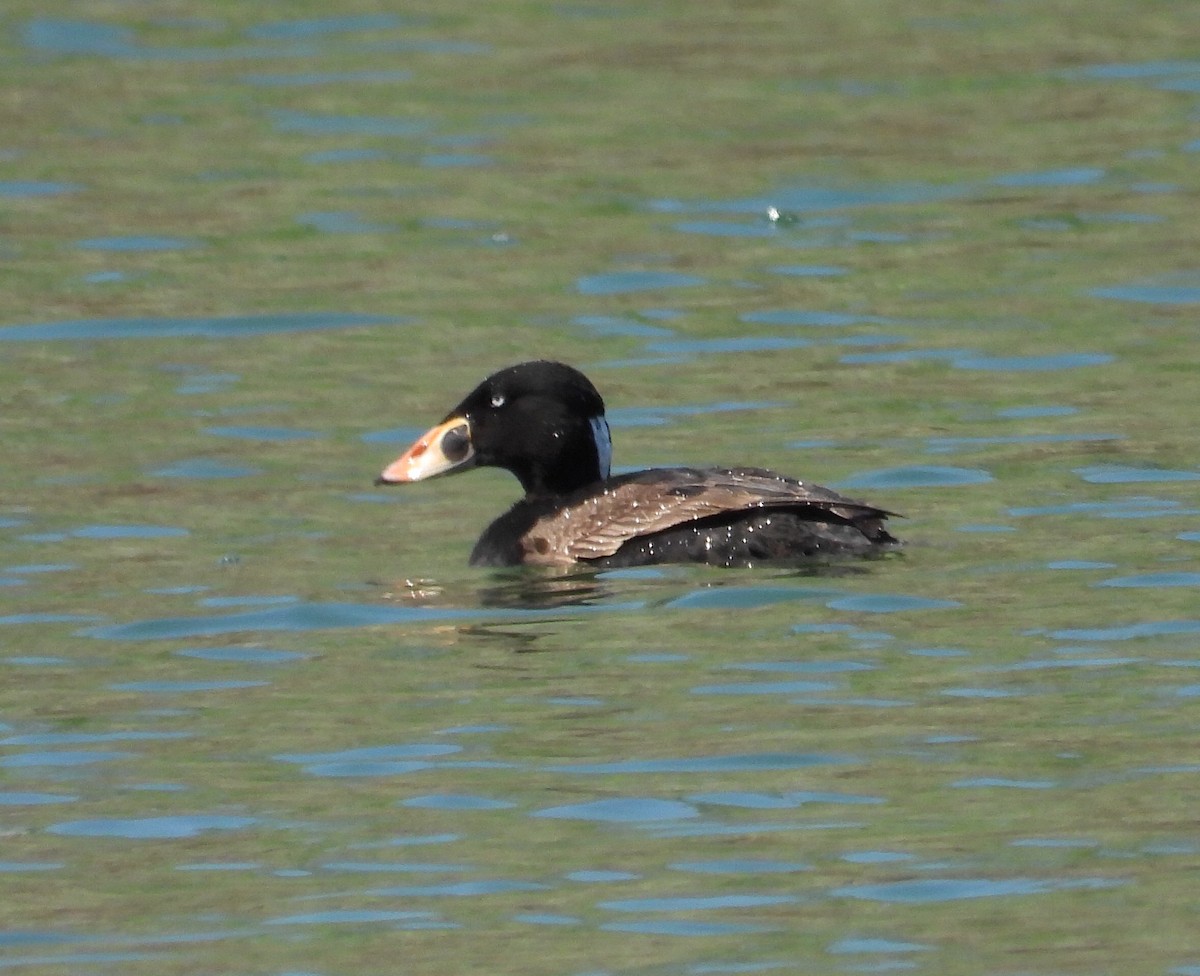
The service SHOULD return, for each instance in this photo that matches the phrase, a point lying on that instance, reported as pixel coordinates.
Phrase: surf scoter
(544, 422)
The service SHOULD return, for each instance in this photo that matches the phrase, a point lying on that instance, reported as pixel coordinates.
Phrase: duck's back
(720, 516)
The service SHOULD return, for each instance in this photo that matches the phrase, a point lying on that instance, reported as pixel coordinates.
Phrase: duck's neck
(580, 461)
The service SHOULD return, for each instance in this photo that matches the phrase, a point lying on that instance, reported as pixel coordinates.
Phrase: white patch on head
(603, 441)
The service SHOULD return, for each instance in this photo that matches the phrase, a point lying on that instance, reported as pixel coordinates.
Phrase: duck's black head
(543, 421)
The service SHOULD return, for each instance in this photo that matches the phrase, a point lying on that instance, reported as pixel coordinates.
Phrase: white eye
(497, 399)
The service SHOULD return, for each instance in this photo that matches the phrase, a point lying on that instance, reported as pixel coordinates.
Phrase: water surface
(261, 717)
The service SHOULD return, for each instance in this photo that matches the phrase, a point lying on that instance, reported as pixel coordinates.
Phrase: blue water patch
(630, 809)
(693, 347)
(457, 801)
(1153, 580)
(1119, 474)
(1135, 70)
(342, 916)
(300, 79)
(460, 160)
(137, 243)
(740, 865)
(928, 891)
(81, 738)
(746, 597)
(1179, 288)
(129, 532)
(795, 687)
(615, 325)
(972, 360)
(1157, 628)
(747, 829)
(981, 694)
(473, 729)
(688, 929)
(1068, 843)
(876, 857)
(341, 222)
(861, 945)
(948, 445)
(791, 200)
(811, 667)
(1035, 411)
(246, 601)
(1031, 364)
(68, 37)
(918, 476)
(806, 317)
(186, 687)
(809, 270)
(63, 758)
(623, 282)
(727, 228)
(303, 29)
(36, 188)
(386, 760)
(779, 801)
(747, 762)
(242, 655)
(393, 867)
(701, 903)
(542, 918)
(319, 124)
(357, 155)
(601, 877)
(212, 327)
(661, 416)
(220, 866)
(396, 435)
(201, 383)
(17, 867)
(15, 619)
(459, 889)
(1124, 508)
(999, 782)
(17, 798)
(38, 660)
(304, 616)
(1066, 662)
(889, 603)
(416, 840)
(152, 828)
(204, 469)
(1078, 176)
(905, 356)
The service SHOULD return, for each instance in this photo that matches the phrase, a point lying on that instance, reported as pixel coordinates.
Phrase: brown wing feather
(652, 501)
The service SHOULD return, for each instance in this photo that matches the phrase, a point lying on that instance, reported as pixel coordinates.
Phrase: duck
(545, 423)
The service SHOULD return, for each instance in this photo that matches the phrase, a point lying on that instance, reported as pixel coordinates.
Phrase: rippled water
(258, 717)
